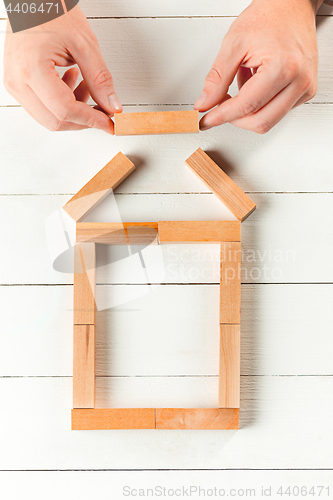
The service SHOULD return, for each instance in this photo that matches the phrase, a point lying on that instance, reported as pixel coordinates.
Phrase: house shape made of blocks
(88, 234)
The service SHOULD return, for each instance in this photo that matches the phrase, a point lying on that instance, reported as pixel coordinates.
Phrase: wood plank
(230, 283)
(221, 185)
(84, 284)
(273, 316)
(95, 483)
(281, 161)
(164, 122)
(198, 231)
(229, 372)
(98, 188)
(148, 8)
(84, 366)
(187, 48)
(113, 418)
(274, 251)
(275, 417)
(117, 233)
(197, 418)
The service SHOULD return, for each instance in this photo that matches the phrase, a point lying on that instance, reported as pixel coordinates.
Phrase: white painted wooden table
(160, 348)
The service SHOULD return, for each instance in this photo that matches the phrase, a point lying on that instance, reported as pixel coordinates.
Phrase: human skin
(272, 48)
(30, 76)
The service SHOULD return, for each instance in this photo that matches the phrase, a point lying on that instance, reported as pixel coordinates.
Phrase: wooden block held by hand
(99, 187)
(221, 184)
(229, 376)
(84, 366)
(84, 283)
(165, 122)
(230, 282)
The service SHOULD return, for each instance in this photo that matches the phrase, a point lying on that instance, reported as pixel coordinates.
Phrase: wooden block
(220, 184)
(99, 187)
(113, 418)
(127, 233)
(198, 231)
(229, 377)
(197, 418)
(166, 122)
(84, 283)
(230, 282)
(84, 366)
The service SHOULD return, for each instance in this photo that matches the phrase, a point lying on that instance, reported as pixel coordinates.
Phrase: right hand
(30, 75)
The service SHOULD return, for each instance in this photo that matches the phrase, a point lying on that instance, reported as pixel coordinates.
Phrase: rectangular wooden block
(117, 233)
(230, 282)
(84, 366)
(197, 418)
(198, 231)
(99, 187)
(113, 418)
(229, 376)
(166, 122)
(84, 284)
(220, 184)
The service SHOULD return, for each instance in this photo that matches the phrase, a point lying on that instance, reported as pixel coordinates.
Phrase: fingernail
(114, 102)
(205, 125)
(201, 100)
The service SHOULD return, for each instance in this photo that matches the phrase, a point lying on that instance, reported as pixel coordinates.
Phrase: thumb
(219, 79)
(99, 80)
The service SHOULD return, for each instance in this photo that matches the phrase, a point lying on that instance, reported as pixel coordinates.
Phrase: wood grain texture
(117, 233)
(130, 8)
(84, 366)
(113, 418)
(198, 231)
(221, 185)
(84, 284)
(230, 282)
(164, 122)
(197, 418)
(229, 371)
(99, 187)
(276, 416)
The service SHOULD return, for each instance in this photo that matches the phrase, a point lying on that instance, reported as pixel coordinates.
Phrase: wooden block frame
(84, 414)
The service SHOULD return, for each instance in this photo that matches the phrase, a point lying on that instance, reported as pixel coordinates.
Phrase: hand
(30, 61)
(272, 48)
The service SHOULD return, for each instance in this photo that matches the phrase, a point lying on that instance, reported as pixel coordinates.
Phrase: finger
(41, 114)
(220, 76)
(82, 92)
(265, 119)
(243, 75)
(60, 100)
(98, 78)
(70, 77)
(253, 95)
(201, 124)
